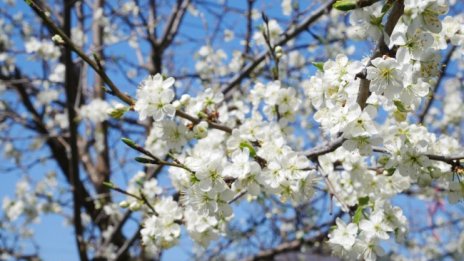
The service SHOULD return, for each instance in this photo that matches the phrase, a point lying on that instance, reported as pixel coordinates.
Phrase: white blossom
(154, 98)
(96, 111)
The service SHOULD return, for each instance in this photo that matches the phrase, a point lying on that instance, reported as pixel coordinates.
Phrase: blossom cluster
(350, 127)
(254, 156)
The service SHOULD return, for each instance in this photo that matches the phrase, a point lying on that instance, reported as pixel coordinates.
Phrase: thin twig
(446, 159)
(46, 19)
(239, 195)
(287, 36)
(428, 103)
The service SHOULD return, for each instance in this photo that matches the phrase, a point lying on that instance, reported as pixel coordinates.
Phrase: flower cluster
(96, 111)
(357, 131)
(154, 98)
(252, 154)
(161, 229)
(27, 201)
(360, 240)
(43, 48)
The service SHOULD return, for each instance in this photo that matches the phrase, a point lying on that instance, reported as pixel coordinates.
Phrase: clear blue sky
(56, 241)
(54, 238)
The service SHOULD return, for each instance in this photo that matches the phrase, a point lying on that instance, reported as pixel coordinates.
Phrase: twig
(153, 159)
(196, 121)
(141, 198)
(446, 159)
(323, 149)
(46, 19)
(174, 22)
(287, 36)
(162, 162)
(239, 195)
(428, 103)
(331, 188)
(122, 251)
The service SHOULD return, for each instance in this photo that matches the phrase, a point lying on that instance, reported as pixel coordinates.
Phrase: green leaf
(319, 66)
(108, 184)
(358, 215)
(363, 201)
(144, 160)
(332, 228)
(390, 171)
(194, 179)
(251, 149)
(119, 112)
(129, 143)
(400, 106)
(383, 160)
(386, 7)
(345, 5)
(376, 20)
(399, 116)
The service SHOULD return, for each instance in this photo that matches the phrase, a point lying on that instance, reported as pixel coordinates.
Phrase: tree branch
(70, 85)
(323, 149)
(287, 36)
(94, 64)
(446, 159)
(381, 49)
(174, 23)
(428, 103)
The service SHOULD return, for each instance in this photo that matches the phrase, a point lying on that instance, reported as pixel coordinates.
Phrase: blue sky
(55, 239)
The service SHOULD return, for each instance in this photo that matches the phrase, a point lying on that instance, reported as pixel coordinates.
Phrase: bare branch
(323, 149)
(174, 23)
(428, 103)
(287, 36)
(114, 90)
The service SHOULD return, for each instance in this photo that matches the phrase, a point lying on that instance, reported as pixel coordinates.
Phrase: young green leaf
(345, 5)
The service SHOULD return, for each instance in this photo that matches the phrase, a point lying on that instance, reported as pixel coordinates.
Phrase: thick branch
(364, 93)
(323, 149)
(94, 64)
(103, 158)
(381, 49)
(174, 23)
(70, 84)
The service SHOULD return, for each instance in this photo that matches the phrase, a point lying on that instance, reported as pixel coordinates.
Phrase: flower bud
(134, 206)
(124, 204)
(57, 39)
(118, 112)
(185, 99)
(200, 130)
(278, 51)
(177, 104)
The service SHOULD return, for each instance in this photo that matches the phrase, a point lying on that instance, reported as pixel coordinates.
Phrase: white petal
(168, 82)
(402, 55)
